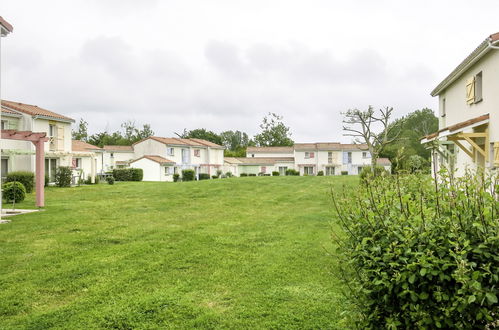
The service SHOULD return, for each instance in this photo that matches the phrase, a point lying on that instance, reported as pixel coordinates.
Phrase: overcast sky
(224, 64)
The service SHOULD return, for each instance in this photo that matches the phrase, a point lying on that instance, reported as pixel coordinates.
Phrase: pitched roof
(34, 110)
(231, 160)
(10, 112)
(155, 158)
(383, 161)
(270, 149)
(458, 126)
(330, 146)
(77, 145)
(118, 148)
(183, 142)
(478, 53)
(264, 160)
(6, 25)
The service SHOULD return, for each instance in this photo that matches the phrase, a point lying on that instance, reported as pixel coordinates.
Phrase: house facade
(20, 155)
(468, 135)
(175, 155)
(332, 158)
(116, 157)
(86, 160)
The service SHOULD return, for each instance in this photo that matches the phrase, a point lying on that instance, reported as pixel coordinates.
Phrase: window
(5, 124)
(366, 154)
(76, 163)
(330, 157)
(282, 170)
(170, 151)
(347, 157)
(263, 169)
(359, 169)
(252, 155)
(478, 87)
(167, 170)
(309, 155)
(329, 170)
(197, 153)
(52, 130)
(308, 170)
(474, 89)
(442, 114)
(112, 154)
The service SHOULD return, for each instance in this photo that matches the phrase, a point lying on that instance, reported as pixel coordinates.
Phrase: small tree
(364, 127)
(274, 132)
(63, 176)
(81, 133)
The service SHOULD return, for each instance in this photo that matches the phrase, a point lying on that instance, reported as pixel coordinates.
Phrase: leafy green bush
(204, 176)
(367, 173)
(291, 171)
(275, 173)
(188, 175)
(25, 177)
(214, 176)
(243, 174)
(421, 254)
(219, 173)
(176, 177)
(110, 179)
(63, 176)
(128, 174)
(344, 172)
(229, 175)
(47, 180)
(252, 174)
(14, 192)
(320, 173)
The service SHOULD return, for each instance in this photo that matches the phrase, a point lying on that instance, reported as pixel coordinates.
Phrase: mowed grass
(232, 253)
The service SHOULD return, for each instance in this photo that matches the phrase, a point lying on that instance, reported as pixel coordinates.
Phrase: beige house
(20, 155)
(468, 135)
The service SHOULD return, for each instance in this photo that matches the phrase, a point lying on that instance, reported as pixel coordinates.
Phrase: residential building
(20, 155)
(86, 160)
(116, 157)
(468, 135)
(177, 154)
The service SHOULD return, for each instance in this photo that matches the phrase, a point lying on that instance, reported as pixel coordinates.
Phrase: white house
(468, 135)
(332, 158)
(177, 154)
(155, 168)
(116, 157)
(20, 155)
(86, 160)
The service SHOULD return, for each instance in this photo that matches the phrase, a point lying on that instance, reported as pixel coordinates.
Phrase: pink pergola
(38, 139)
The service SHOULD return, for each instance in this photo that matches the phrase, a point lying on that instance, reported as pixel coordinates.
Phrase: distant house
(117, 157)
(332, 158)
(177, 154)
(19, 155)
(86, 160)
(468, 135)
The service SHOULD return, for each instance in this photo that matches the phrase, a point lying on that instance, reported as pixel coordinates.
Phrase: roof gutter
(54, 119)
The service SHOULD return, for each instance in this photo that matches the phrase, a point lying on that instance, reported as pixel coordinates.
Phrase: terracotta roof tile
(10, 112)
(118, 148)
(270, 149)
(34, 110)
(77, 145)
(183, 142)
(6, 24)
(383, 161)
(155, 158)
(264, 160)
(458, 126)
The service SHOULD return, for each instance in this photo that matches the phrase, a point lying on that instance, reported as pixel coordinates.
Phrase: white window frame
(308, 170)
(170, 151)
(167, 170)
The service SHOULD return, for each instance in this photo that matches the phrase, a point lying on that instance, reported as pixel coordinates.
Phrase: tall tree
(274, 132)
(235, 143)
(371, 128)
(201, 133)
(81, 133)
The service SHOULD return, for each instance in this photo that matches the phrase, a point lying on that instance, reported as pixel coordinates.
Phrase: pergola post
(40, 173)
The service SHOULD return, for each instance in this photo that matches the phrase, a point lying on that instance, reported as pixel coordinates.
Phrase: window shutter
(60, 137)
(496, 153)
(470, 90)
(312, 155)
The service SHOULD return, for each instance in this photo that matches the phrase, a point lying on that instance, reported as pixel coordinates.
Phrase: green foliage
(128, 174)
(82, 132)
(320, 173)
(188, 175)
(275, 173)
(235, 143)
(110, 179)
(176, 177)
(414, 126)
(47, 180)
(344, 172)
(243, 174)
(252, 174)
(229, 175)
(274, 132)
(63, 176)
(291, 171)
(420, 254)
(129, 136)
(25, 177)
(204, 176)
(14, 191)
(219, 173)
(367, 173)
(201, 133)
(214, 176)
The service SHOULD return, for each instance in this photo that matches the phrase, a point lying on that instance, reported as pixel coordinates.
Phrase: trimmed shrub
(214, 176)
(320, 173)
(176, 177)
(188, 175)
(344, 172)
(275, 173)
(47, 180)
(291, 171)
(229, 175)
(219, 173)
(14, 192)
(128, 174)
(63, 176)
(25, 177)
(243, 174)
(110, 179)
(252, 174)
(420, 254)
(204, 176)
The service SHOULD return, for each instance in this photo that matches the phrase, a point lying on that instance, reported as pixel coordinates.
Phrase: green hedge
(291, 171)
(13, 192)
(416, 254)
(275, 173)
(188, 175)
(128, 174)
(243, 174)
(26, 178)
(204, 176)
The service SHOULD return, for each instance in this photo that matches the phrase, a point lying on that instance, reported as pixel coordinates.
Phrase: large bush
(204, 176)
(420, 254)
(291, 171)
(26, 178)
(368, 174)
(188, 175)
(14, 192)
(128, 174)
(63, 176)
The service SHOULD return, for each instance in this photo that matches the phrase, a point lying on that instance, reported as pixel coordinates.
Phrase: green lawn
(232, 253)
